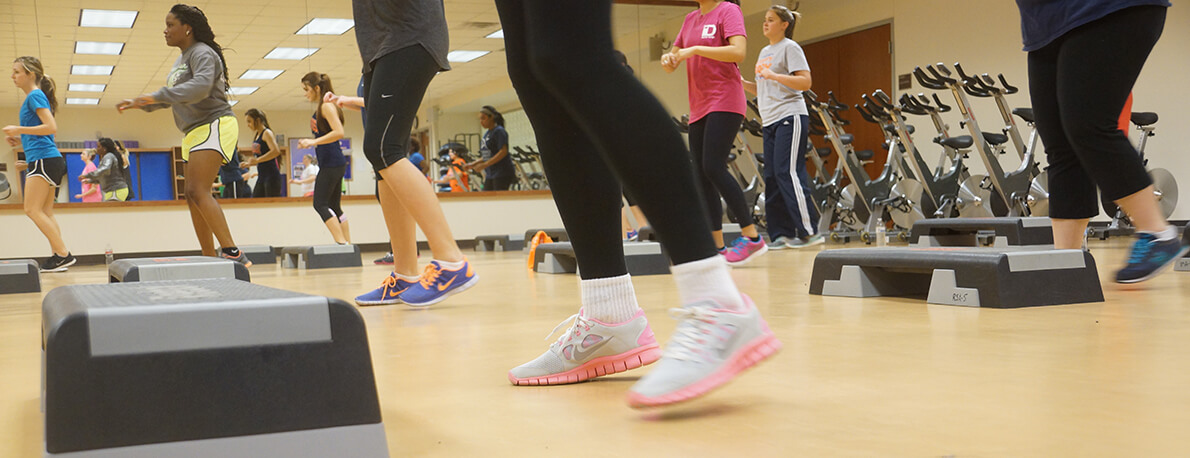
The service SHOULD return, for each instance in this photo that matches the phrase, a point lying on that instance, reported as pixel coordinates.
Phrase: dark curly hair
(197, 20)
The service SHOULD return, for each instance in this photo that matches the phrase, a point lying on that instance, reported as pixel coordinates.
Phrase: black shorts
(51, 169)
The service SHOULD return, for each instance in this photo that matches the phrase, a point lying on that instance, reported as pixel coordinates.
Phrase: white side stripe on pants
(795, 146)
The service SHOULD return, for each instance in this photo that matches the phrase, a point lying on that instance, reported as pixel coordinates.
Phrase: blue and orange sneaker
(437, 284)
(388, 293)
(1149, 257)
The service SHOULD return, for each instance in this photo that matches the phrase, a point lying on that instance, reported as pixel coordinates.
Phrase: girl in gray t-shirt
(781, 75)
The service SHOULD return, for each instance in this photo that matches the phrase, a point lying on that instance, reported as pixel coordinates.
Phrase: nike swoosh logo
(722, 351)
(580, 354)
(443, 287)
(384, 96)
(392, 292)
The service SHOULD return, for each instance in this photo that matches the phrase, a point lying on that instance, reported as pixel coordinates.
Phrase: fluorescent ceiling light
(107, 18)
(290, 53)
(81, 101)
(76, 87)
(465, 56)
(326, 26)
(91, 69)
(233, 102)
(243, 90)
(496, 34)
(261, 74)
(98, 47)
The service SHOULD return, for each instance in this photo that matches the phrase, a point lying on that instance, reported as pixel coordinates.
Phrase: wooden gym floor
(857, 377)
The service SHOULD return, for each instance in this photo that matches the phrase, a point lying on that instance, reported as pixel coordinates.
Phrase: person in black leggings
(1083, 120)
(327, 126)
(598, 127)
(266, 155)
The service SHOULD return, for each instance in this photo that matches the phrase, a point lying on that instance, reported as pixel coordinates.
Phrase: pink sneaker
(710, 347)
(743, 250)
(589, 349)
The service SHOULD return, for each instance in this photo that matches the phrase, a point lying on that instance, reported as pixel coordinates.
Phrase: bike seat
(865, 154)
(846, 139)
(823, 152)
(1024, 113)
(960, 142)
(1144, 118)
(893, 130)
(995, 139)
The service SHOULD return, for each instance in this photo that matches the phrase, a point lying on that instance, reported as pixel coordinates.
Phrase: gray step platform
(979, 277)
(321, 256)
(206, 368)
(175, 268)
(730, 233)
(259, 254)
(504, 242)
(1009, 232)
(1183, 264)
(641, 258)
(19, 276)
(557, 235)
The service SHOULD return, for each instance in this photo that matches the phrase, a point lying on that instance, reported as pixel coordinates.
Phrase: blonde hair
(45, 83)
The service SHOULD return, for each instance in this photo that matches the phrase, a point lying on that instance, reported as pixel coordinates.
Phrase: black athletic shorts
(51, 169)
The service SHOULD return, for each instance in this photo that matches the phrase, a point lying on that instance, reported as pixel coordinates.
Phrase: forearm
(330, 137)
(730, 53)
(750, 87)
(43, 129)
(795, 82)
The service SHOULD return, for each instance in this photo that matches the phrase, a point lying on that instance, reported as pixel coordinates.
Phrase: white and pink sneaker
(589, 349)
(743, 250)
(710, 347)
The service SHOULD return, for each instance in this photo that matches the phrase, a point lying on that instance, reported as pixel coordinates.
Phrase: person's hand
(12, 141)
(292, 181)
(12, 131)
(306, 143)
(767, 74)
(331, 97)
(683, 54)
(78, 196)
(668, 62)
(246, 164)
(124, 105)
(82, 179)
(21, 165)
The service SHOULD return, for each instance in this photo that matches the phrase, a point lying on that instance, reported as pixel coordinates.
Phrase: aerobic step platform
(206, 368)
(321, 256)
(259, 254)
(557, 235)
(642, 258)
(1009, 232)
(977, 277)
(19, 276)
(730, 233)
(175, 268)
(504, 242)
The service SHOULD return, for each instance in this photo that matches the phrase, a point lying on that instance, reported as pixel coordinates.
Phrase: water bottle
(107, 254)
(881, 233)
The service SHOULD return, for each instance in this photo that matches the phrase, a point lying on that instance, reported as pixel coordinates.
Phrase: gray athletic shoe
(816, 239)
(779, 243)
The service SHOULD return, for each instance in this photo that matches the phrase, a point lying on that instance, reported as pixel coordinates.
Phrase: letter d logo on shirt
(708, 31)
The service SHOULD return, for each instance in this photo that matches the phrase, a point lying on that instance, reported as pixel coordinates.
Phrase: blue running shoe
(388, 293)
(1150, 257)
(437, 284)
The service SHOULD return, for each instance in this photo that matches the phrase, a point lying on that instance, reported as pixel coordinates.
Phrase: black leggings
(267, 186)
(328, 192)
(1079, 84)
(498, 183)
(711, 139)
(597, 127)
(393, 91)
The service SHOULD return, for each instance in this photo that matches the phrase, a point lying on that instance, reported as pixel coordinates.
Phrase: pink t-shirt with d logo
(713, 85)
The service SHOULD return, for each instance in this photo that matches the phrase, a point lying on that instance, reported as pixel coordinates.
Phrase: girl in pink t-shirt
(91, 191)
(712, 41)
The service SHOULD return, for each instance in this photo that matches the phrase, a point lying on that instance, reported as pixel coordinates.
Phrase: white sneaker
(589, 349)
(710, 347)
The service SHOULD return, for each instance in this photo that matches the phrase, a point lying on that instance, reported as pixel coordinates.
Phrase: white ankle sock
(707, 279)
(409, 278)
(1169, 233)
(452, 265)
(610, 300)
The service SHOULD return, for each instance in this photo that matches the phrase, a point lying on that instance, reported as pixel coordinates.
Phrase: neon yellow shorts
(220, 135)
(119, 195)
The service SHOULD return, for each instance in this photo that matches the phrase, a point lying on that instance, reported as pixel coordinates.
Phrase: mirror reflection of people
(494, 162)
(234, 180)
(44, 165)
(327, 126)
(110, 172)
(309, 174)
(196, 91)
(91, 191)
(266, 155)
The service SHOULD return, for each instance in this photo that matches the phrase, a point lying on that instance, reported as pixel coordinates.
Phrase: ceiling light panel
(261, 74)
(326, 26)
(497, 34)
(465, 56)
(76, 87)
(243, 90)
(290, 53)
(81, 101)
(98, 47)
(107, 18)
(91, 69)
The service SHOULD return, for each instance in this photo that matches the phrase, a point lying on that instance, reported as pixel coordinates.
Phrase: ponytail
(259, 116)
(322, 82)
(197, 20)
(788, 16)
(45, 83)
(492, 113)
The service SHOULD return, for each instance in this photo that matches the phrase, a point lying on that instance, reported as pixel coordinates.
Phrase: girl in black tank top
(267, 156)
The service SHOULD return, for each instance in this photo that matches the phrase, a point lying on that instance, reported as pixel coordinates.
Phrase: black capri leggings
(328, 192)
(711, 139)
(267, 186)
(597, 127)
(393, 91)
(1079, 84)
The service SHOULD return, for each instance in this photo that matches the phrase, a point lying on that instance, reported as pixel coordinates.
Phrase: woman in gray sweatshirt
(110, 173)
(196, 90)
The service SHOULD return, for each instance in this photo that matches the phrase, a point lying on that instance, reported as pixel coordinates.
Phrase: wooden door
(851, 65)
